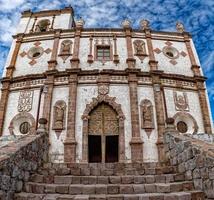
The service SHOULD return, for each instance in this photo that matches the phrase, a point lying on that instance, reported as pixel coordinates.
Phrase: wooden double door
(103, 135)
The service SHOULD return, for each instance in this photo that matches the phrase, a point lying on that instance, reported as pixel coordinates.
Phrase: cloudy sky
(197, 16)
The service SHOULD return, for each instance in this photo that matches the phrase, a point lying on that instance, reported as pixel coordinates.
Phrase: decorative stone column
(70, 141)
(136, 141)
(49, 84)
(159, 106)
(53, 61)
(204, 105)
(128, 34)
(75, 59)
(3, 103)
(146, 28)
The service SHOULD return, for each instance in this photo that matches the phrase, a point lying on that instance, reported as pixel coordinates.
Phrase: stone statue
(59, 116)
(180, 27)
(147, 118)
(181, 102)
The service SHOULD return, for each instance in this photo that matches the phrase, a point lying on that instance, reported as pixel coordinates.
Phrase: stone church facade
(106, 93)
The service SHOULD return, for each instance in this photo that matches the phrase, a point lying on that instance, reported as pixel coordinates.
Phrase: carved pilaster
(3, 102)
(115, 56)
(128, 34)
(195, 68)
(90, 56)
(11, 67)
(204, 105)
(75, 59)
(49, 84)
(52, 62)
(70, 141)
(136, 141)
(160, 115)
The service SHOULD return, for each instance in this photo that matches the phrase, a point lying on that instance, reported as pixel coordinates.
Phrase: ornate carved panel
(25, 101)
(147, 116)
(59, 117)
(65, 50)
(181, 102)
(103, 121)
(140, 50)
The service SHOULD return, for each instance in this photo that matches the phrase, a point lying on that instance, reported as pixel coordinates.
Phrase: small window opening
(103, 53)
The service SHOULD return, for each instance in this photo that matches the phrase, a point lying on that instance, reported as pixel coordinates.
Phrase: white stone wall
(25, 24)
(12, 110)
(150, 151)
(183, 65)
(194, 106)
(56, 149)
(85, 50)
(22, 64)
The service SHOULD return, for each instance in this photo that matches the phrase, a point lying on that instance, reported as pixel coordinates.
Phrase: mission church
(106, 93)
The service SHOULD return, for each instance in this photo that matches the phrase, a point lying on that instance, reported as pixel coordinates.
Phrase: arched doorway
(103, 134)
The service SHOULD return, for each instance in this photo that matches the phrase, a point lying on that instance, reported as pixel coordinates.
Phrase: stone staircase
(112, 181)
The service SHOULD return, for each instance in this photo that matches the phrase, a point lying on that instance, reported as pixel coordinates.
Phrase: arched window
(42, 25)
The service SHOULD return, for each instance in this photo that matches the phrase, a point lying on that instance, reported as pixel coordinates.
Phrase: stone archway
(109, 101)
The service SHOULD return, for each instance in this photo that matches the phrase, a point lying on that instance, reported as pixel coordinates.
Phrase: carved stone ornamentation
(59, 117)
(103, 89)
(144, 24)
(147, 116)
(65, 50)
(180, 27)
(25, 101)
(140, 50)
(181, 102)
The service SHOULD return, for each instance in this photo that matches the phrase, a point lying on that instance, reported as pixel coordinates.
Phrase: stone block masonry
(194, 158)
(18, 160)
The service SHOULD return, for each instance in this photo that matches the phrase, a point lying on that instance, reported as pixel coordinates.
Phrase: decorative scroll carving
(59, 117)
(180, 99)
(140, 50)
(25, 101)
(147, 116)
(144, 24)
(65, 50)
(180, 27)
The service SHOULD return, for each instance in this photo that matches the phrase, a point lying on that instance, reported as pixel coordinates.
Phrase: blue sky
(197, 16)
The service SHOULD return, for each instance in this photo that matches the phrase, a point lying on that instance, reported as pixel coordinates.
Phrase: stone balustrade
(194, 158)
(19, 159)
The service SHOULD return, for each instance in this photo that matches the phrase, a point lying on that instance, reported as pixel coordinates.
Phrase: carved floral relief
(25, 101)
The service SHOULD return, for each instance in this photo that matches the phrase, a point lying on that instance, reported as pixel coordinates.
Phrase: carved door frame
(86, 115)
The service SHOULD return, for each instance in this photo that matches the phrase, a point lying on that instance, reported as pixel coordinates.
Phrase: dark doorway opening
(111, 148)
(94, 145)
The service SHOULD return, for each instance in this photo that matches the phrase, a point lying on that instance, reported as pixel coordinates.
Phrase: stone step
(70, 179)
(188, 195)
(73, 189)
(104, 169)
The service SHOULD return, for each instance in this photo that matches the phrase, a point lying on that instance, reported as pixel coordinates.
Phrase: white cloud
(7, 5)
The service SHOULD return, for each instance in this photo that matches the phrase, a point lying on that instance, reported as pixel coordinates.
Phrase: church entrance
(103, 135)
